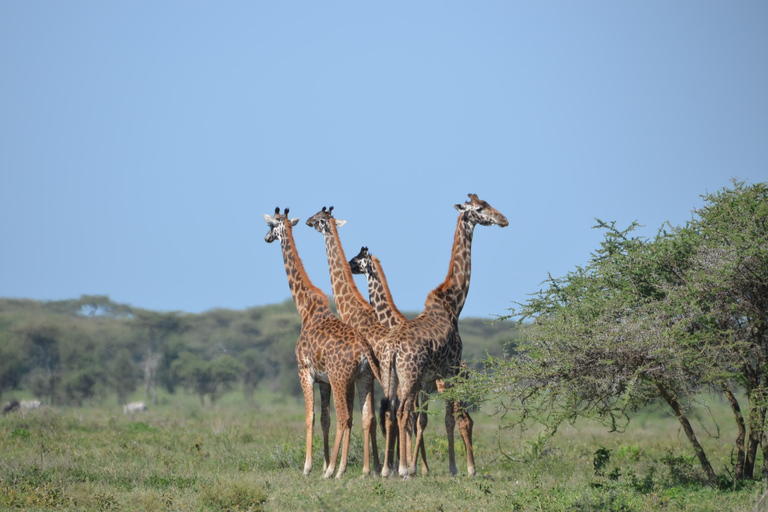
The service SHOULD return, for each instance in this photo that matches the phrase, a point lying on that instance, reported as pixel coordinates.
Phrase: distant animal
(10, 406)
(24, 405)
(29, 405)
(134, 407)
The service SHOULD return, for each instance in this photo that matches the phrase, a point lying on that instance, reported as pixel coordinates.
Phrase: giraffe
(381, 299)
(329, 353)
(390, 316)
(353, 309)
(429, 347)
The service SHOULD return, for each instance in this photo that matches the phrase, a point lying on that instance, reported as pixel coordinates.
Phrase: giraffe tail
(373, 362)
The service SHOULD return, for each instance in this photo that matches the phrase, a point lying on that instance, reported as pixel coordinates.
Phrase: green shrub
(230, 495)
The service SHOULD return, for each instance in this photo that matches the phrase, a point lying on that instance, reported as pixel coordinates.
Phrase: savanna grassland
(249, 456)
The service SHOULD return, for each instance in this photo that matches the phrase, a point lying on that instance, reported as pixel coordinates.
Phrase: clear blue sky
(141, 142)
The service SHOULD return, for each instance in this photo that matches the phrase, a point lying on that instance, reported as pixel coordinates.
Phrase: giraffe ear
(460, 207)
(340, 222)
(294, 221)
(270, 220)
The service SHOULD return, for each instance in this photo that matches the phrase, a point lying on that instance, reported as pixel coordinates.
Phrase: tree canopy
(649, 320)
(75, 351)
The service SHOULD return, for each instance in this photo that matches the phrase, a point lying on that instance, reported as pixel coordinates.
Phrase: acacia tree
(602, 341)
(252, 371)
(156, 327)
(649, 320)
(211, 378)
(82, 385)
(12, 363)
(727, 285)
(123, 375)
(40, 339)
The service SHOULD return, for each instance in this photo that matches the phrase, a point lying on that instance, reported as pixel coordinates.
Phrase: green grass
(179, 456)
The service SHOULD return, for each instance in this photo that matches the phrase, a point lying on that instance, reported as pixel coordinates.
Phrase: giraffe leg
(309, 415)
(388, 414)
(342, 428)
(418, 443)
(465, 429)
(325, 421)
(450, 423)
(365, 395)
(422, 448)
(422, 425)
(404, 413)
(348, 431)
(465, 426)
(410, 435)
(413, 453)
(410, 447)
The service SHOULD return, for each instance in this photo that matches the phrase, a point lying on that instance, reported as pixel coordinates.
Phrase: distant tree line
(651, 320)
(74, 352)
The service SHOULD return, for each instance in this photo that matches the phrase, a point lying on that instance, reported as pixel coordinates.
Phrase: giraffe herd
(373, 340)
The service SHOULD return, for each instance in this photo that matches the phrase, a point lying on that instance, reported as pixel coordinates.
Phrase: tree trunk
(669, 396)
(738, 473)
(150, 369)
(756, 421)
(765, 456)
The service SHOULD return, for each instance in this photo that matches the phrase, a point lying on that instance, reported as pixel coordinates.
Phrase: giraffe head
(277, 225)
(322, 220)
(361, 264)
(477, 211)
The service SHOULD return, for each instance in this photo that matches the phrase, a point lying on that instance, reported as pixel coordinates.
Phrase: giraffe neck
(380, 297)
(309, 299)
(350, 304)
(454, 289)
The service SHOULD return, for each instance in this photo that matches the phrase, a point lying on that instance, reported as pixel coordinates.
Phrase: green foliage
(207, 378)
(76, 351)
(82, 385)
(253, 370)
(649, 320)
(601, 459)
(234, 495)
(123, 375)
(12, 362)
(20, 433)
